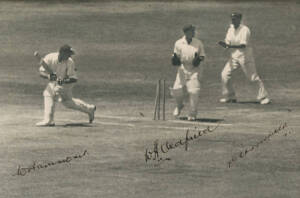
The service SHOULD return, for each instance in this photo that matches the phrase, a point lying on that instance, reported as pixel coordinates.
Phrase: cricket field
(242, 150)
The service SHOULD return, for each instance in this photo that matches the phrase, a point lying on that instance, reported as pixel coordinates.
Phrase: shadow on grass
(248, 102)
(212, 120)
(76, 125)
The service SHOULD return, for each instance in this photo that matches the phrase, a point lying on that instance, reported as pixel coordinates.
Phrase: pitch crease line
(122, 117)
(174, 121)
(199, 123)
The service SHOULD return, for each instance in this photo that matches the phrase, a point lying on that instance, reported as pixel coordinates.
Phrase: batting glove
(60, 81)
(52, 77)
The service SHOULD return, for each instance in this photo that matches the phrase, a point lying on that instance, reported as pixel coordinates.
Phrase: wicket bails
(160, 87)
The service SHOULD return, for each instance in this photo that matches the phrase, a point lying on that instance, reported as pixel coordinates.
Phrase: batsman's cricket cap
(188, 27)
(66, 49)
(236, 15)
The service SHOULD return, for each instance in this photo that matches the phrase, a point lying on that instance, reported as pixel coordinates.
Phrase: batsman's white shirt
(64, 69)
(239, 36)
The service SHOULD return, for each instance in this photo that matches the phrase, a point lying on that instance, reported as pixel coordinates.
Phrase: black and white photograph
(150, 99)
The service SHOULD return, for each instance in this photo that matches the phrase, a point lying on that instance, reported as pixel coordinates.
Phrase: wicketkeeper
(61, 81)
(188, 56)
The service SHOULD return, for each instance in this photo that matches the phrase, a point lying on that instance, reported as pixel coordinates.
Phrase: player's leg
(178, 92)
(49, 109)
(227, 87)
(193, 88)
(249, 69)
(79, 105)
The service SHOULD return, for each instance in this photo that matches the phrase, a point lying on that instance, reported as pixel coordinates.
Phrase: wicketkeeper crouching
(188, 55)
(61, 82)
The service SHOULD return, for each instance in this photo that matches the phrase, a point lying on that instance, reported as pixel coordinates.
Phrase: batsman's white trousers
(67, 100)
(248, 66)
(187, 82)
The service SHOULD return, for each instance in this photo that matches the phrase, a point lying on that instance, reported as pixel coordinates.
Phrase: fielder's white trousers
(66, 99)
(249, 69)
(187, 82)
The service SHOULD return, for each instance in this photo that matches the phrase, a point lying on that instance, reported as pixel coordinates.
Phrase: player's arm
(176, 56)
(46, 75)
(45, 70)
(71, 73)
(237, 46)
(227, 46)
(243, 42)
(226, 41)
(201, 52)
(199, 56)
(69, 80)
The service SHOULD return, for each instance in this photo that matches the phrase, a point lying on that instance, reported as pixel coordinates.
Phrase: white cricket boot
(227, 100)
(177, 110)
(45, 124)
(192, 118)
(265, 101)
(49, 109)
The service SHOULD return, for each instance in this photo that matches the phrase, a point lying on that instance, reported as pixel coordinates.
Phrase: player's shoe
(92, 114)
(45, 124)
(265, 101)
(177, 111)
(191, 118)
(228, 100)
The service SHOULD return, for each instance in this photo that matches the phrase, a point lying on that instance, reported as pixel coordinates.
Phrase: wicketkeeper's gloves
(175, 60)
(197, 60)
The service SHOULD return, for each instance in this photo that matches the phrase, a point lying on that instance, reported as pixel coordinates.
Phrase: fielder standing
(188, 54)
(238, 41)
(60, 85)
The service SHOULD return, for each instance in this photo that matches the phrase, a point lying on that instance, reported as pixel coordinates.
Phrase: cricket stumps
(160, 95)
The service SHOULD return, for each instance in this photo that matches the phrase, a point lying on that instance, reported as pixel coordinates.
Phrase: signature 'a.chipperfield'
(158, 149)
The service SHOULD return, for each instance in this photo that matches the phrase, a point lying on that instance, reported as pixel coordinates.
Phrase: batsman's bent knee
(225, 76)
(255, 78)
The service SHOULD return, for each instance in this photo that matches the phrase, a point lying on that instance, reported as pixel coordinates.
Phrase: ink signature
(22, 171)
(243, 153)
(160, 149)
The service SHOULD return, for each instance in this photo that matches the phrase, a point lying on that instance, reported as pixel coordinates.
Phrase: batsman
(188, 56)
(59, 69)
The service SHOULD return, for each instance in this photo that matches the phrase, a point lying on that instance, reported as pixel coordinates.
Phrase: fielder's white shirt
(186, 51)
(64, 69)
(239, 36)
